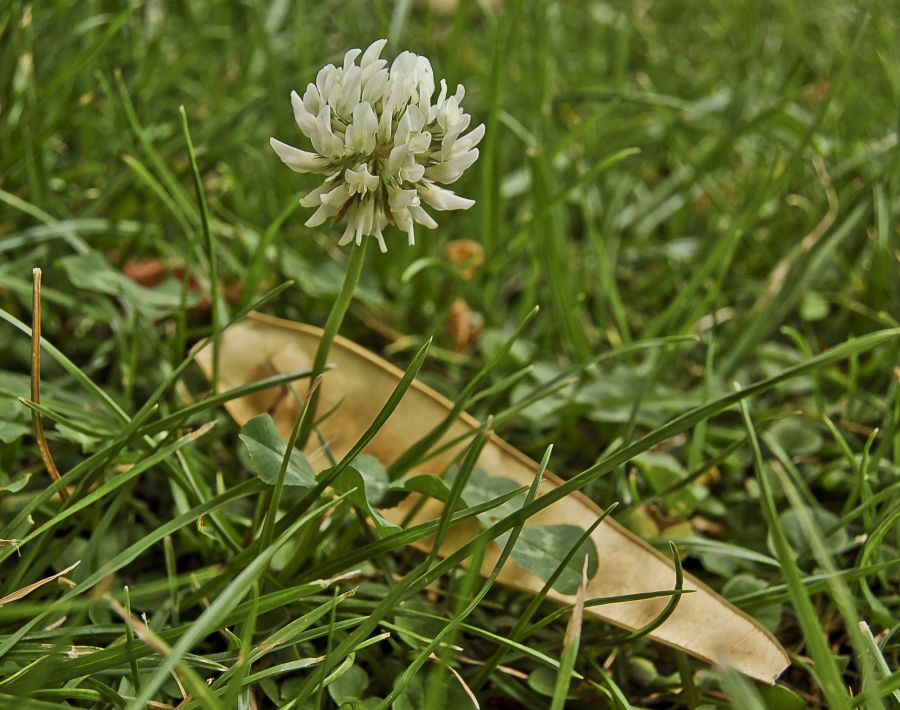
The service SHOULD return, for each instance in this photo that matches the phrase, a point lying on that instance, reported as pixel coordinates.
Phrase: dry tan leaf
(466, 255)
(463, 324)
(703, 624)
(150, 272)
(28, 589)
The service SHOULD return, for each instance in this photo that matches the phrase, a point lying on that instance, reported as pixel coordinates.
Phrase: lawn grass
(699, 196)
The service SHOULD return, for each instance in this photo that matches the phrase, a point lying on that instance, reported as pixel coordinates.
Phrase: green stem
(688, 688)
(268, 527)
(332, 326)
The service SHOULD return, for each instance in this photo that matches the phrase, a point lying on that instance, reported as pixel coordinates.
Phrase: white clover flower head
(381, 144)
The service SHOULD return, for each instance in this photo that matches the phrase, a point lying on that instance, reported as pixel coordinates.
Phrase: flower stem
(332, 326)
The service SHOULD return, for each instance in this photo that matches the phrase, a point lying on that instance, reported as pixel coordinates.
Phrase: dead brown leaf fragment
(28, 589)
(463, 325)
(151, 272)
(36, 420)
(703, 624)
(466, 256)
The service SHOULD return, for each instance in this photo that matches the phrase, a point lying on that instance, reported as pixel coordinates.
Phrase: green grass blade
(826, 671)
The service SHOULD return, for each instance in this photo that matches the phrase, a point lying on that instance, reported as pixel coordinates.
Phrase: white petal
(471, 139)
(376, 232)
(337, 197)
(350, 229)
(442, 96)
(396, 160)
(350, 88)
(323, 140)
(410, 124)
(325, 79)
(364, 219)
(422, 217)
(403, 64)
(451, 170)
(367, 122)
(385, 123)
(476, 134)
(403, 221)
(305, 120)
(403, 83)
(350, 58)
(367, 210)
(298, 160)
(332, 203)
(320, 216)
(374, 85)
(360, 181)
(442, 199)
(323, 129)
(420, 142)
(312, 99)
(314, 198)
(359, 139)
(412, 173)
(401, 199)
(448, 114)
(370, 70)
(373, 51)
(425, 81)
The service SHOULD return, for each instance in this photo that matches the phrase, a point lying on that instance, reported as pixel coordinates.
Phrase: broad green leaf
(13, 415)
(350, 686)
(15, 485)
(778, 697)
(482, 487)
(12, 431)
(611, 398)
(825, 520)
(93, 273)
(662, 471)
(323, 279)
(375, 475)
(267, 448)
(356, 488)
(798, 437)
(426, 484)
(543, 680)
(413, 697)
(540, 547)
